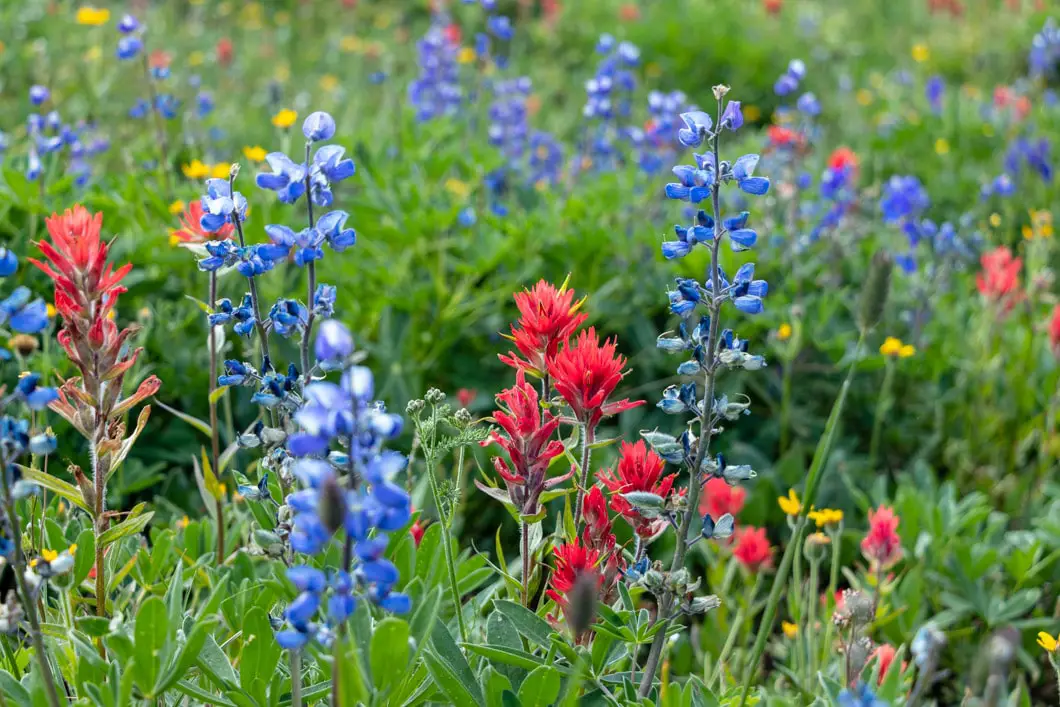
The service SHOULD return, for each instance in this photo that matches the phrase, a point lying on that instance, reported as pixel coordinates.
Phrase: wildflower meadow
(529, 352)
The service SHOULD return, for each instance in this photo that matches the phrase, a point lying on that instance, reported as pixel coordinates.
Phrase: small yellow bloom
(49, 555)
(826, 516)
(995, 219)
(752, 113)
(220, 170)
(864, 97)
(921, 53)
(254, 154)
(177, 207)
(34, 562)
(466, 55)
(183, 522)
(93, 16)
(197, 169)
(891, 346)
(906, 351)
(196, 59)
(942, 146)
(457, 188)
(351, 43)
(329, 82)
(790, 504)
(285, 118)
(62, 506)
(72, 549)
(50, 310)
(790, 630)
(1047, 642)
(94, 53)
(111, 315)
(174, 239)
(784, 332)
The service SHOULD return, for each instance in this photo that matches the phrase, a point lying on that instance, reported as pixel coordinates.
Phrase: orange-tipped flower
(547, 318)
(191, 233)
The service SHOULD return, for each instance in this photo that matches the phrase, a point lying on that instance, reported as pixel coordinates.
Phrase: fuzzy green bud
(874, 295)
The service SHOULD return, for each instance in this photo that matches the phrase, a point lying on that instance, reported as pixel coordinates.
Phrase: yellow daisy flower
(285, 118)
(197, 169)
(826, 516)
(790, 630)
(177, 207)
(220, 170)
(254, 154)
(92, 16)
(891, 346)
(784, 332)
(942, 146)
(457, 188)
(790, 504)
(1047, 642)
(921, 53)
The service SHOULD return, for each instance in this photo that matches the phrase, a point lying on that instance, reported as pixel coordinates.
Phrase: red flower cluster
(781, 137)
(773, 7)
(191, 233)
(720, 498)
(843, 158)
(638, 469)
(752, 549)
(882, 546)
(547, 318)
(585, 373)
(884, 655)
(999, 280)
(86, 289)
(574, 562)
(953, 7)
(1054, 330)
(526, 440)
(599, 537)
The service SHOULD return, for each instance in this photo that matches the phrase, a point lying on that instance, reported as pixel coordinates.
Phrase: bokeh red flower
(882, 546)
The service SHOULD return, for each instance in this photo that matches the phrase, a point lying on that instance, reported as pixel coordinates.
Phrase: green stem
(883, 404)
(811, 619)
(215, 432)
(447, 546)
(525, 528)
(588, 436)
(296, 679)
(813, 482)
(833, 583)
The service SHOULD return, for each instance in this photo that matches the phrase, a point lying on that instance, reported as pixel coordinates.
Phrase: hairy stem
(588, 437)
(526, 562)
(215, 432)
(18, 567)
(311, 269)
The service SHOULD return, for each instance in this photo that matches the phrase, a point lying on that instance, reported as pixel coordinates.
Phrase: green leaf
(541, 687)
(260, 655)
(93, 626)
(424, 617)
(129, 526)
(200, 425)
(215, 665)
(449, 683)
(218, 394)
(526, 622)
(444, 648)
(204, 697)
(390, 652)
(186, 657)
(353, 690)
(504, 655)
(501, 632)
(68, 491)
(14, 690)
(150, 635)
(85, 557)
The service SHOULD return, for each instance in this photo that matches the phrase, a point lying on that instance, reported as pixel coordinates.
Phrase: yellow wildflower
(921, 53)
(285, 118)
(995, 219)
(254, 154)
(197, 169)
(1047, 642)
(790, 630)
(457, 188)
(466, 55)
(72, 549)
(174, 239)
(177, 207)
(220, 170)
(49, 555)
(329, 82)
(111, 315)
(818, 539)
(752, 113)
(196, 59)
(784, 331)
(93, 16)
(790, 504)
(62, 507)
(183, 522)
(50, 310)
(906, 351)
(826, 516)
(891, 346)
(864, 97)
(942, 146)
(351, 43)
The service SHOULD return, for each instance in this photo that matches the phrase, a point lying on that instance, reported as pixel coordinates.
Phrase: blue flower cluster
(328, 166)
(608, 102)
(48, 134)
(658, 143)
(130, 44)
(1044, 56)
(436, 91)
(789, 81)
(934, 90)
(19, 311)
(1032, 155)
(860, 696)
(351, 489)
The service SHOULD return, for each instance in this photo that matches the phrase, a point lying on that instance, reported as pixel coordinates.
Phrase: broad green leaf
(150, 635)
(390, 652)
(129, 526)
(526, 622)
(540, 688)
(13, 690)
(444, 648)
(449, 683)
(68, 491)
(502, 655)
(260, 654)
(353, 690)
(501, 632)
(215, 665)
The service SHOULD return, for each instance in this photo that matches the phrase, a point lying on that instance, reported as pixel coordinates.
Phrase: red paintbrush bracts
(547, 318)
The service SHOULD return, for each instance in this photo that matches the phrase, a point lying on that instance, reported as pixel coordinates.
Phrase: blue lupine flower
(743, 172)
(128, 24)
(903, 197)
(332, 226)
(288, 317)
(694, 185)
(23, 315)
(167, 105)
(38, 94)
(34, 395)
(732, 116)
(305, 244)
(686, 297)
(1044, 56)
(324, 300)
(605, 43)
(698, 125)
(933, 90)
(789, 82)
(334, 341)
(318, 126)
(220, 204)
(276, 389)
(43, 444)
(860, 696)
(204, 104)
(436, 91)
(128, 47)
(8, 262)
(33, 166)
(501, 27)
(808, 104)
(740, 237)
(243, 315)
(287, 178)
(237, 373)
(139, 109)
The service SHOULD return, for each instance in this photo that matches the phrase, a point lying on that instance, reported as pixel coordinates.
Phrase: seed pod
(332, 505)
(874, 294)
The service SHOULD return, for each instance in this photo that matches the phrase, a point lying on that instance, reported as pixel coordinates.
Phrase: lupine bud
(334, 341)
(877, 287)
